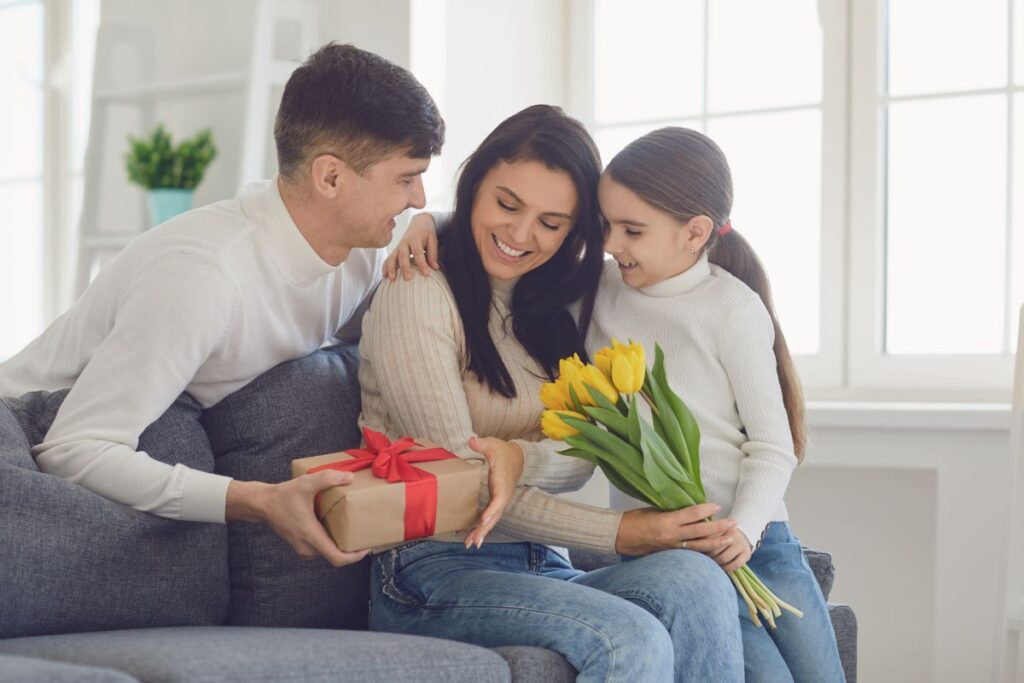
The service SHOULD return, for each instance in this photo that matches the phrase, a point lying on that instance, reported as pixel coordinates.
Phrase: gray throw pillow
(73, 561)
(300, 408)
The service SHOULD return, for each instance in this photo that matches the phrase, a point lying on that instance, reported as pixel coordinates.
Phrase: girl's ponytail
(685, 174)
(730, 251)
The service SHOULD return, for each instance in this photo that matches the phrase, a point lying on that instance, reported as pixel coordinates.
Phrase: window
(935, 146)
(873, 165)
(45, 70)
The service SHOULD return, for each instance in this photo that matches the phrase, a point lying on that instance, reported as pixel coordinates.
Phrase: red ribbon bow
(393, 461)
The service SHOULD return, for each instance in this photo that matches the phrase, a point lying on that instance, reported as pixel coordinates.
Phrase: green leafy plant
(154, 162)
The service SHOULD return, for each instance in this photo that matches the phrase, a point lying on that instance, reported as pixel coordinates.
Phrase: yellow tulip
(592, 376)
(578, 377)
(555, 395)
(623, 365)
(554, 428)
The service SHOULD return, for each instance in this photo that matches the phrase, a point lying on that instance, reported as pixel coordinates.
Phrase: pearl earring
(692, 250)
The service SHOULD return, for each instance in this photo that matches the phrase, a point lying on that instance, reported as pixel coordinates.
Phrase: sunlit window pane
(611, 139)
(946, 226)
(1017, 238)
(763, 54)
(649, 59)
(21, 76)
(946, 46)
(86, 16)
(776, 167)
(21, 258)
(1018, 41)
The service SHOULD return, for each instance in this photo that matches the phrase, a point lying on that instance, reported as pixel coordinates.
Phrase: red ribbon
(392, 461)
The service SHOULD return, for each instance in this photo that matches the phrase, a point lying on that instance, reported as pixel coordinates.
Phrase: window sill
(919, 415)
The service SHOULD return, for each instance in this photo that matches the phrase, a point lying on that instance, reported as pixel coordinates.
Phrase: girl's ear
(698, 231)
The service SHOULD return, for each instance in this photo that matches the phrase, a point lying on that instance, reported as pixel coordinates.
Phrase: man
(212, 299)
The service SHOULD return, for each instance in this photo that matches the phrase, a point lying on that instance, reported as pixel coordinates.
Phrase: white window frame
(824, 369)
(959, 377)
(852, 364)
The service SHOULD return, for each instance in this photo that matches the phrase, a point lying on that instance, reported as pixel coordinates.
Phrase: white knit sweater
(718, 339)
(204, 303)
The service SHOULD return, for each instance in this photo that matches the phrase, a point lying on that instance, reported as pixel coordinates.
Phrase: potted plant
(169, 174)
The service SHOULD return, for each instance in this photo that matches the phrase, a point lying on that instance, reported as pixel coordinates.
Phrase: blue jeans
(663, 617)
(799, 649)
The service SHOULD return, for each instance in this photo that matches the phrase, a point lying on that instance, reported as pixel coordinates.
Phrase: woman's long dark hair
(540, 318)
(685, 174)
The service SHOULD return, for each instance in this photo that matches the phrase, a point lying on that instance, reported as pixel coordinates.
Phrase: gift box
(399, 492)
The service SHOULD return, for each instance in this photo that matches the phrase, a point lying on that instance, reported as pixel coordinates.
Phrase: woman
(463, 352)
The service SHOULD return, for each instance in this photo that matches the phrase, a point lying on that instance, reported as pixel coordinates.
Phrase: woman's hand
(734, 555)
(418, 247)
(505, 466)
(644, 531)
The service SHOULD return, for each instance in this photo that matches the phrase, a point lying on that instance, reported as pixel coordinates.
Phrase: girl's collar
(682, 283)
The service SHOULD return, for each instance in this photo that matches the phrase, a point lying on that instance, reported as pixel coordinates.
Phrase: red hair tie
(726, 227)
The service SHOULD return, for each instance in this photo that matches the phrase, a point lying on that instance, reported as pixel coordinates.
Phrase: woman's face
(522, 212)
(650, 245)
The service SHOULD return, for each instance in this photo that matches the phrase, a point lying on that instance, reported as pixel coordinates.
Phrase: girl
(682, 277)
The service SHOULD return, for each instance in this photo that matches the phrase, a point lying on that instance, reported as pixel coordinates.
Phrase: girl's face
(650, 245)
(522, 212)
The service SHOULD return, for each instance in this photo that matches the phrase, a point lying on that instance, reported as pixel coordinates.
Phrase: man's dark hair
(357, 106)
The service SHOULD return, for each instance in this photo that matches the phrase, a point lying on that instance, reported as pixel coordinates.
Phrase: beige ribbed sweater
(415, 382)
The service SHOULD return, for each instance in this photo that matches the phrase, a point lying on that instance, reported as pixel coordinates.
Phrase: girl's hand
(734, 555)
(644, 531)
(418, 247)
(505, 466)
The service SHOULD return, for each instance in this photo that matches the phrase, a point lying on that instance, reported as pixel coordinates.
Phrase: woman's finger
(696, 530)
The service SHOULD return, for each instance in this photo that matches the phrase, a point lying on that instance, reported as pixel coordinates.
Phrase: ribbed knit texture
(415, 382)
(204, 303)
(718, 339)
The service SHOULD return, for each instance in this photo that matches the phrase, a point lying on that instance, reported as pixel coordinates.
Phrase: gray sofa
(93, 591)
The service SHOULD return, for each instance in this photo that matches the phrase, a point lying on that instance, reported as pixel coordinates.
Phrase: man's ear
(330, 175)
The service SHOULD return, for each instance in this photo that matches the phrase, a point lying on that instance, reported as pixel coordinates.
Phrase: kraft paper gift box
(372, 512)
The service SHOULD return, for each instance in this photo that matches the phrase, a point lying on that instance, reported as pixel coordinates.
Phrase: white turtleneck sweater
(718, 342)
(204, 303)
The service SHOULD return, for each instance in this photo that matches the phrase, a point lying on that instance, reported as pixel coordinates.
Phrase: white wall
(482, 62)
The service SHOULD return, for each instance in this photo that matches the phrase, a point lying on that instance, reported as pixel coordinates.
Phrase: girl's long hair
(685, 174)
(540, 318)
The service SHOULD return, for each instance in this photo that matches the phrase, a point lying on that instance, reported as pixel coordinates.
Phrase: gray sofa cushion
(226, 654)
(530, 664)
(300, 408)
(75, 561)
(29, 670)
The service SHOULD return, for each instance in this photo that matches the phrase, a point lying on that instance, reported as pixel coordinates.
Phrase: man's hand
(644, 531)
(505, 466)
(733, 556)
(418, 247)
(287, 508)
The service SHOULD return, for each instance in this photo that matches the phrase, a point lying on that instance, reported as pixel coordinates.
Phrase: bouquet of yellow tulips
(594, 409)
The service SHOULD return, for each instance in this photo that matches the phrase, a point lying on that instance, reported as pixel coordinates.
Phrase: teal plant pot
(167, 202)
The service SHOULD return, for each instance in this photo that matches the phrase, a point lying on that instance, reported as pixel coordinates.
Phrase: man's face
(367, 208)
